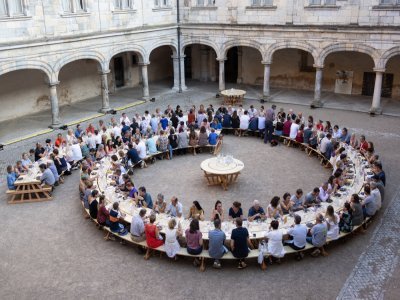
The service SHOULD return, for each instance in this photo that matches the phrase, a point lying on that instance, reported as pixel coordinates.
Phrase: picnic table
(233, 96)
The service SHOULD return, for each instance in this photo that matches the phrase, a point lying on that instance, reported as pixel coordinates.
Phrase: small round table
(217, 172)
(233, 96)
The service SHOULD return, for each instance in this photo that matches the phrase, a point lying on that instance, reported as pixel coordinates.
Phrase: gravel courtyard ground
(49, 250)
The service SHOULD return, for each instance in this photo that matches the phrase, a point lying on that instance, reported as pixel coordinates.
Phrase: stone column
(221, 74)
(175, 60)
(183, 81)
(105, 106)
(239, 79)
(145, 81)
(55, 111)
(376, 99)
(267, 74)
(203, 63)
(318, 83)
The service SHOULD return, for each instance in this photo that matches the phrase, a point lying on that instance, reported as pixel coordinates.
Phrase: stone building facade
(56, 52)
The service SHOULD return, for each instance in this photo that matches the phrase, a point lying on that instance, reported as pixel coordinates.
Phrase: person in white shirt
(377, 194)
(175, 208)
(244, 121)
(97, 137)
(275, 245)
(294, 128)
(337, 133)
(324, 192)
(125, 119)
(261, 122)
(252, 112)
(141, 148)
(91, 141)
(323, 147)
(147, 116)
(116, 130)
(332, 223)
(301, 118)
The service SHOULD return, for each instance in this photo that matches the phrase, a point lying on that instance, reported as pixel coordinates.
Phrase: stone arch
(338, 47)
(156, 45)
(94, 55)
(290, 45)
(29, 64)
(200, 41)
(127, 48)
(244, 43)
(388, 54)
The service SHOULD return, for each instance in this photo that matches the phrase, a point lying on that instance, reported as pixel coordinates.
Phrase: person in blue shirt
(216, 247)
(216, 124)
(78, 131)
(345, 137)
(226, 121)
(256, 212)
(11, 178)
(212, 137)
(148, 202)
(164, 122)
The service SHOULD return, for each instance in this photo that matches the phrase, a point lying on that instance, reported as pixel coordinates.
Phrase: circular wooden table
(221, 170)
(233, 96)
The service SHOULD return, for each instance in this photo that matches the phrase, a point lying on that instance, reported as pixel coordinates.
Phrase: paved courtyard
(49, 250)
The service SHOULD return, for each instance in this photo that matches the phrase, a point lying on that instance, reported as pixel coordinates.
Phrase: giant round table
(221, 171)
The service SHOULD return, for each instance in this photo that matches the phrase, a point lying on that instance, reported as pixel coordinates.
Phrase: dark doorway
(231, 65)
(188, 62)
(119, 72)
(369, 84)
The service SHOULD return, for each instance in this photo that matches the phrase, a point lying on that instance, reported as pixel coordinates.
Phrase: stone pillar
(318, 84)
(240, 67)
(105, 106)
(55, 111)
(267, 73)
(203, 63)
(183, 81)
(376, 99)
(145, 81)
(176, 72)
(221, 74)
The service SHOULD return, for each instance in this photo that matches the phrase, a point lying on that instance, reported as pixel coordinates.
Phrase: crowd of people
(127, 141)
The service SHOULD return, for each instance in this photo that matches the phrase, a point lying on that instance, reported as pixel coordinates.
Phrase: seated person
(240, 243)
(311, 198)
(194, 240)
(153, 237)
(235, 211)
(286, 203)
(26, 162)
(203, 137)
(172, 234)
(324, 192)
(216, 124)
(115, 218)
(217, 212)
(174, 209)
(50, 165)
(132, 154)
(145, 198)
(345, 223)
(369, 203)
(256, 212)
(151, 145)
(274, 237)
(47, 178)
(298, 234)
(160, 205)
(297, 200)
(137, 226)
(274, 208)
(317, 235)
(103, 214)
(196, 211)
(379, 174)
(212, 137)
(216, 243)
(93, 204)
(19, 169)
(332, 223)
(11, 178)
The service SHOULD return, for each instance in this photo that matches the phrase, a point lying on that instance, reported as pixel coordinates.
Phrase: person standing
(269, 124)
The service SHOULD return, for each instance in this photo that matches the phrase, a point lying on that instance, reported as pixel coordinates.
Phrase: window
(123, 4)
(389, 2)
(262, 2)
(10, 8)
(205, 2)
(315, 2)
(323, 2)
(162, 3)
(74, 6)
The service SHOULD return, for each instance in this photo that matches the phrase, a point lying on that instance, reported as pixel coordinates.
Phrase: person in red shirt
(90, 128)
(320, 125)
(59, 141)
(363, 144)
(286, 126)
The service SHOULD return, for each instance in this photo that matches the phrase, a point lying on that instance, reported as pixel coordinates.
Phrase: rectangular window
(262, 2)
(162, 3)
(205, 2)
(123, 4)
(315, 2)
(80, 5)
(67, 5)
(330, 2)
(15, 7)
